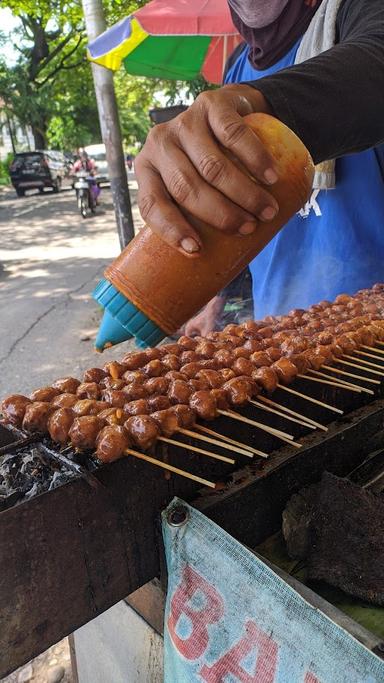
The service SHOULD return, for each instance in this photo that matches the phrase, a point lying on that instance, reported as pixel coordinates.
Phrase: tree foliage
(50, 86)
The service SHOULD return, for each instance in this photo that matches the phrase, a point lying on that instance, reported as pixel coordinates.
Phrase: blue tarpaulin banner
(230, 619)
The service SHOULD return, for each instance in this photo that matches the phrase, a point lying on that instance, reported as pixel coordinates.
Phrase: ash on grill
(32, 469)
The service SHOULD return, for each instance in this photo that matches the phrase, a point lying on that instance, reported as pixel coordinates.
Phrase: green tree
(50, 40)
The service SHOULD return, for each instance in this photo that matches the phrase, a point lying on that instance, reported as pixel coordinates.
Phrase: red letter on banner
(311, 678)
(196, 643)
(266, 659)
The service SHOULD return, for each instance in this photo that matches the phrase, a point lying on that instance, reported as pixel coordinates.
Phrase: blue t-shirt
(335, 243)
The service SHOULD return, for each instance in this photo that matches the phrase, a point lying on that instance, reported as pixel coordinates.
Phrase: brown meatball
(286, 370)
(134, 377)
(243, 366)
(88, 406)
(174, 374)
(294, 345)
(206, 349)
(186, 417)
(266, 332)
(134, 391)
(13, 408)
(173, 349)
(324, 338)
(115, 369)
(109, 383)
(242, 352)
(187, 343)
(204, 404)
(45, 394)
(260, 359)
(84, 431)
(167, 421)
(153, 354)
(189, 357)
(220, 396)
(134, 361)
(224, 358)
(191, 369)
(266, 378)
(198, 385)
(315, 360)
(273, 354)
(346, 343)
(157, 385)
(36, 416)
(65, 400)
(324, 350)
(252, 345)
(59, 424)
(94, 375)
(171, 362)
(226, 373)
(111, 443)
(112, 416)
(139, 407)
(143, 430)
(232, 330)
(158, 403)
(300, 361)
(179, 392)
(240, 390)
(89, 390)
(154, 368)
(211, 377)
(115, 398)
(66, 384)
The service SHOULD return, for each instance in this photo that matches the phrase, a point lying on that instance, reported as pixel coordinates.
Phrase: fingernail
(268, 213)
(270, 176)
(189, 245)
(247, 228)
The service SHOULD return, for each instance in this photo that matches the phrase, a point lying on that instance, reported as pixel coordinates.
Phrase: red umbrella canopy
(175, 39)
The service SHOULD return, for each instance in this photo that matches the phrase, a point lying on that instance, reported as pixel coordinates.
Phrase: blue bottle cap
(123, 320)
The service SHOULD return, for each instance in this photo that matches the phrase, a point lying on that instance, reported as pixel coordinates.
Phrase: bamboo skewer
(311, 399)
(351, 374)
(274, 432)
(367, 362)
(360, 367)
(335, 383)
(311, 423)
(170, 468)
(277, 412)
(372, 348)
(251, 449)
(215, 456)
(369, 355)
(260, 425)
(343, 383)
(215, 442)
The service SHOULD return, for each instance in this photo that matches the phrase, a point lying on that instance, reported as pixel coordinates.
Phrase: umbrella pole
(110, 127)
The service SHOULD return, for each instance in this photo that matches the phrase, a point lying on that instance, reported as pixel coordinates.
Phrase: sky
(7, 23)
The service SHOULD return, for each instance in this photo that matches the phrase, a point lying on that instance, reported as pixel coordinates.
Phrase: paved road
(50, 261)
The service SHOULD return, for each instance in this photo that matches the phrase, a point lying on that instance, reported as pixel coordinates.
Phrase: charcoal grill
(71, 552)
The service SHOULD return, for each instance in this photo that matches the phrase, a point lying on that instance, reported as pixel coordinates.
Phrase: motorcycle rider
(85, 163)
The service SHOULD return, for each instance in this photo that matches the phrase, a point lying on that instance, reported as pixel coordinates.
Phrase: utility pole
(110, 126)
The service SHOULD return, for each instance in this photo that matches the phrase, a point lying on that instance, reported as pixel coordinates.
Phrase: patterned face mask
(271, 27)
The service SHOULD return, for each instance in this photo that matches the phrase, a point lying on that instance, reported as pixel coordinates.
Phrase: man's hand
(182, 166)
(206, 320)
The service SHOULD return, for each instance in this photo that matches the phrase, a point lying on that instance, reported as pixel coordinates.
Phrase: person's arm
(335, 101)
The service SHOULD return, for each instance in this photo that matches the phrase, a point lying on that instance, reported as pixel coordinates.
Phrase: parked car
(97, 153)
(37, 169)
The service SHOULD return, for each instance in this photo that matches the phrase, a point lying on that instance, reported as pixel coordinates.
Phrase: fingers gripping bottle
(151, 289)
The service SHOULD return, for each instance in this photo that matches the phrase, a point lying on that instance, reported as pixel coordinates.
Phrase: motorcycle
(86, 200)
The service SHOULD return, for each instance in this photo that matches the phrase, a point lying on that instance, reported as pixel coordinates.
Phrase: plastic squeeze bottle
(151, 289)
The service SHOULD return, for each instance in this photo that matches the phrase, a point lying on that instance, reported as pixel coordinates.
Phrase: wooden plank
(71, 553)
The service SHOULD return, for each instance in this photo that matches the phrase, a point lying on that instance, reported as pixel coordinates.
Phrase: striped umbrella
(170, 39)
